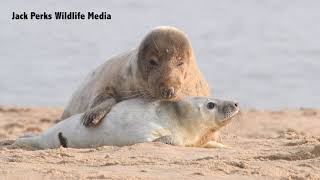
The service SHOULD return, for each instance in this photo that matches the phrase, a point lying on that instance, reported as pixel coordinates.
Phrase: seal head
(196, 118)
(219, 113)
(164, 57)
(214, 113)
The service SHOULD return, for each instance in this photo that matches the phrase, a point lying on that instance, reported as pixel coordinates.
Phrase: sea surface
(263, 53)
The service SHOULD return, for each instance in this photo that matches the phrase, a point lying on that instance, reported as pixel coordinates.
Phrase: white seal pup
(186, 122)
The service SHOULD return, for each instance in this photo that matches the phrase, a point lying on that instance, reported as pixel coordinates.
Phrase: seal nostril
(236, 104)
(167, 92)
(171, 91)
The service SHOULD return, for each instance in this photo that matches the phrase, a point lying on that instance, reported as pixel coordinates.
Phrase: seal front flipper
(214, 144)
(165, 140)
(93, 116)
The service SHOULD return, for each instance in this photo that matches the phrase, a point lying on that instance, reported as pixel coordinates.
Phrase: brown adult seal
(162, 67)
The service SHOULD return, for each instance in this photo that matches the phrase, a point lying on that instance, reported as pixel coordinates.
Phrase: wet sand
(262, 145)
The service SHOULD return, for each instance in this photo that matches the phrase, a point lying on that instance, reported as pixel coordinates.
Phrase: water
(264, 54)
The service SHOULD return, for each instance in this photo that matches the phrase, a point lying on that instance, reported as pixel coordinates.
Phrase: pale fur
(135, 121)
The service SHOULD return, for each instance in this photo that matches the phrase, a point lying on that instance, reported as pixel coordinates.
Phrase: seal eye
(180, 64)
(211, 105)
(153, 62)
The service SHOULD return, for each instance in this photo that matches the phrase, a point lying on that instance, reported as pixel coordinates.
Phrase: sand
(262, 145)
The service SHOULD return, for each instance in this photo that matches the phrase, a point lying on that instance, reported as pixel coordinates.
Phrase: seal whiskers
(136, 94)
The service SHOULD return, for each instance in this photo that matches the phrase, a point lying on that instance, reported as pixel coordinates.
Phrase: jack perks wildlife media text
(61, 16)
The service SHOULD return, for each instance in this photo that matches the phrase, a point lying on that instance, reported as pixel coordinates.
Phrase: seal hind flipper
(33, 141)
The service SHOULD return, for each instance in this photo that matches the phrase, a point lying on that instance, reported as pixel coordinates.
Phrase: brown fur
(176, 66)
(163, 59)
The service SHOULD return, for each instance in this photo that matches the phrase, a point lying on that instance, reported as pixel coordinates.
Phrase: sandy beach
(263, 54)
(261, 145)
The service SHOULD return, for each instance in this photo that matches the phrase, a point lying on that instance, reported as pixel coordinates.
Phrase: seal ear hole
(211, 105)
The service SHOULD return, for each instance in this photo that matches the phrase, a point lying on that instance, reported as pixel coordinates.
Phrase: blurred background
(263, 53)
